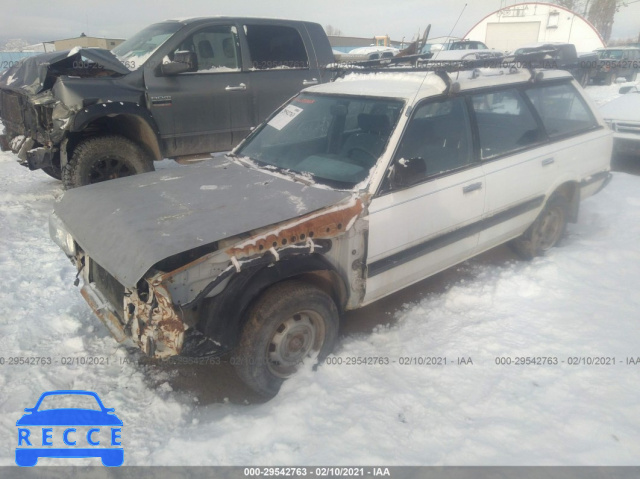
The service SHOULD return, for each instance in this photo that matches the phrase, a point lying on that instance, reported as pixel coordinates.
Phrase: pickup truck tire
(290, 322)
(546, 231)
(102, 158)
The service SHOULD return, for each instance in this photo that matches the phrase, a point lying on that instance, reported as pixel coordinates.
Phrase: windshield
(335, 139)
(611, 54)
(135, 51)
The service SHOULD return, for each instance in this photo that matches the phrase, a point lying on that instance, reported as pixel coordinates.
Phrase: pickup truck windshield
(135, 51)
(335, 139)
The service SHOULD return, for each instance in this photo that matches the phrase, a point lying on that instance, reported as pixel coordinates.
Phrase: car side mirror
(183, 61)
(28, 409)
(408, 172)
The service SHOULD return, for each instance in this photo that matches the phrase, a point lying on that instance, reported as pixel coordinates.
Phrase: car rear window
(505, 123)
(562, 109)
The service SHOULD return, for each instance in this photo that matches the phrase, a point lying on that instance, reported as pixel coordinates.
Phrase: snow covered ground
(580, 301)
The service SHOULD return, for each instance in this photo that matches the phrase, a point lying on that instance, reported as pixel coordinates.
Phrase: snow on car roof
(385, 84)
(409, 85)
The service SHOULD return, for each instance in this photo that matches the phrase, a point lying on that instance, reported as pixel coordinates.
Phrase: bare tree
(332, 31)
(601, 14)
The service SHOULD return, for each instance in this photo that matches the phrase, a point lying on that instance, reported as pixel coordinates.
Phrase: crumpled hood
(130, 224)
(29, 74)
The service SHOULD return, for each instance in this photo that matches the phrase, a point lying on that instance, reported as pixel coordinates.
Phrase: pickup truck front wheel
(546, 231)
(103, 158)
(291, 322)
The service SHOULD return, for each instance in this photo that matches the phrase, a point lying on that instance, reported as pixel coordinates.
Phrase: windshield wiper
(297, 177)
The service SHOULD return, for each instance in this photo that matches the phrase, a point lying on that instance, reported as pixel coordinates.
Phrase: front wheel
(291, 322)
(53, 171)
(103, 158)
(546, 231)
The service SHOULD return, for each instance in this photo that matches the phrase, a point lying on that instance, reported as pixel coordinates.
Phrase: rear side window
(562, 109)
(273, 47)
(505, 123)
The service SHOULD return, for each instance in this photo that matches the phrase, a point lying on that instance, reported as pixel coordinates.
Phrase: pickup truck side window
(562, 110)
(216, 48)
(438, 138)
(505, 123)
(274, 46)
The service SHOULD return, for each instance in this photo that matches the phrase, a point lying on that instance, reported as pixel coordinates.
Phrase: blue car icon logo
(69, 432)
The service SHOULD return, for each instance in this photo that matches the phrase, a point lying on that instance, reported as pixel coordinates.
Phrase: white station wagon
(353, 190)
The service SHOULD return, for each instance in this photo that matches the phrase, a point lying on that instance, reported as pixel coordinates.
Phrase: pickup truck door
(198, 112)
(416, 231)
(282, 62)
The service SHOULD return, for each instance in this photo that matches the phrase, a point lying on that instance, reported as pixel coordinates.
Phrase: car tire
(53, 172)
(290, 322)
(104, 158)
(546, 231)
(610, 79)
(583, 78)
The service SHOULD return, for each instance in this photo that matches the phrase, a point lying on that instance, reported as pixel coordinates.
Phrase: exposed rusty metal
(155, 325)
(323, 225)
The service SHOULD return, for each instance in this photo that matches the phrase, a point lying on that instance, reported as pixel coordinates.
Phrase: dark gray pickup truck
(175, 89)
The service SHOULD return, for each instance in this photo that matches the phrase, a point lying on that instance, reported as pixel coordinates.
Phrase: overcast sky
(43, 20)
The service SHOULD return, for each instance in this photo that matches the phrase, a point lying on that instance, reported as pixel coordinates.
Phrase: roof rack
(531, 62)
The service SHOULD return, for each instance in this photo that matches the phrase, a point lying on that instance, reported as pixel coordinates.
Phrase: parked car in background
(353, 190)
(617, 62)
(175, 89)
(623, 117)
(454, 45)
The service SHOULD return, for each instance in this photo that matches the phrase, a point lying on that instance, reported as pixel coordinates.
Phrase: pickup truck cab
(175, 89)
(353, 190)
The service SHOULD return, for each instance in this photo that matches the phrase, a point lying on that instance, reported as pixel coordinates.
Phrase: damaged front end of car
(191, 304)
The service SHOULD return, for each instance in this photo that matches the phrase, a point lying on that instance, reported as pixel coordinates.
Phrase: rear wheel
(291, 322)
(103, 158)
(546, 231)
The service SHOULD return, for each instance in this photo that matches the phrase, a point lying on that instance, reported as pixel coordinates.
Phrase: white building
(526, 23)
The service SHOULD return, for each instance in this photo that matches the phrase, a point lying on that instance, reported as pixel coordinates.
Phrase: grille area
(10, 109)
(110, 288)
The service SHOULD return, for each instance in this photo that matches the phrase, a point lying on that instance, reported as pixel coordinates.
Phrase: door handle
(241, 87)
(472, 187)
(547, 161)
(313, 81)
